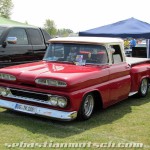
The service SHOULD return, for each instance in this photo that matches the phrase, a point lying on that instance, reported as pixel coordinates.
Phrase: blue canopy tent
(126, 28)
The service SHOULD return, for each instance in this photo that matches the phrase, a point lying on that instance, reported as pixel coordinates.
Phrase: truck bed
(134, 61)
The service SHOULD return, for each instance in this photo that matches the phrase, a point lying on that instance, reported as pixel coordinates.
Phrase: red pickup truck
(76, 75)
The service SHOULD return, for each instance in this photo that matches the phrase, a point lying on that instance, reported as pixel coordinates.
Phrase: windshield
(2, 30)
(80, 54)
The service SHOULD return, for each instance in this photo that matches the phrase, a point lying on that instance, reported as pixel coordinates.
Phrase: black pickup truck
(21, 44)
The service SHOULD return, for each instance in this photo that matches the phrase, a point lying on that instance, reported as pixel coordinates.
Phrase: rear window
(46, 35)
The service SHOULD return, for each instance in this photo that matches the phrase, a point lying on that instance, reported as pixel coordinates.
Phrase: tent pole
(148, 48)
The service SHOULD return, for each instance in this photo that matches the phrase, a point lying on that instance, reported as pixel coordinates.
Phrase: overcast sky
(79, 15)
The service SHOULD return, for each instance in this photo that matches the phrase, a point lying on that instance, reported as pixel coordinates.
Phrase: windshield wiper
(70, 62)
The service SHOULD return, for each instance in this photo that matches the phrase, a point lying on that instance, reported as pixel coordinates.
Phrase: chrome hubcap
(88, 105)
(144, 86)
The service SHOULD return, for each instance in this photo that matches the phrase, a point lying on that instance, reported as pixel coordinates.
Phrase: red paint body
(112, 82)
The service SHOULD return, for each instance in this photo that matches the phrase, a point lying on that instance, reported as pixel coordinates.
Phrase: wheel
(143, 88)
(86, 108)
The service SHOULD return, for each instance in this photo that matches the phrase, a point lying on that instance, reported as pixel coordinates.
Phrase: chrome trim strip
(57, 114)
(133, 93)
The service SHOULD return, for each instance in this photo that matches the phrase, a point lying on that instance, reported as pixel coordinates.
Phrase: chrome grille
(29, 96)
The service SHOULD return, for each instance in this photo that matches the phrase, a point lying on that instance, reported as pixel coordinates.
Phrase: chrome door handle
(127, 67)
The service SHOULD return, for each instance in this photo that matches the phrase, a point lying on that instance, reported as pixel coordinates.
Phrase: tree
(64, 32)
(50, 27)
(5, 8)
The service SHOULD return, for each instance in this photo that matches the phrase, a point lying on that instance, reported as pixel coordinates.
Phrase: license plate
(25, 108)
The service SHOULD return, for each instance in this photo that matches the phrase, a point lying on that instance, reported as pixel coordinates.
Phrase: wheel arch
(136, 81)
(143, 88)
(87, 106)
(97, 98)
(143, 77)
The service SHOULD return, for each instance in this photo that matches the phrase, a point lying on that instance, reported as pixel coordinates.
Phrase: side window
(35, 36)
(20, 34)
(117, 55)
(46, 35)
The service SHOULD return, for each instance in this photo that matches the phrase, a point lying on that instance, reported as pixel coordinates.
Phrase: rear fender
(138, 73)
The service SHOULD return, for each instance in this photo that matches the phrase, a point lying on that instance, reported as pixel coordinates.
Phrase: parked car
(21, 44)
(76, 75)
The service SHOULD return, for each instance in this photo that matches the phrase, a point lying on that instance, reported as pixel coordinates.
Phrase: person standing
(132, 43)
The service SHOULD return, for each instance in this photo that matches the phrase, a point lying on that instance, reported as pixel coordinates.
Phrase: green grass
(127, 121)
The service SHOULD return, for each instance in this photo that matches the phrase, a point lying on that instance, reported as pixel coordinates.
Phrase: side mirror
(11, 40)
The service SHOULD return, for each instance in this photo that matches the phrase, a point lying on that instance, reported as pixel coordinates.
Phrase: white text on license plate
(25, 108)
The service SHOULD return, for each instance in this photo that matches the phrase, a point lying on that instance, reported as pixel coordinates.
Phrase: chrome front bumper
(56, 114)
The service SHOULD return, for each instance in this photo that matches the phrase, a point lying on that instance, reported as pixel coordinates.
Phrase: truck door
(120, 80)
(18, 51)
(38, 43)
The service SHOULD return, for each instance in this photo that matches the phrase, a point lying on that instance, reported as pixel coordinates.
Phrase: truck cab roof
(94, 40)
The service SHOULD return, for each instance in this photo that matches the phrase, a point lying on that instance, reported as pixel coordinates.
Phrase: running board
(132, 93)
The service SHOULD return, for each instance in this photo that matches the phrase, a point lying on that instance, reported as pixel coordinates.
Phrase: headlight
(51, 82)
(62, 102)
(4, 91)
(53, 100)
(7, 77)
(58, 101)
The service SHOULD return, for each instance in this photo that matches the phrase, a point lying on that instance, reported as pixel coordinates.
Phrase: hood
(70, 73)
